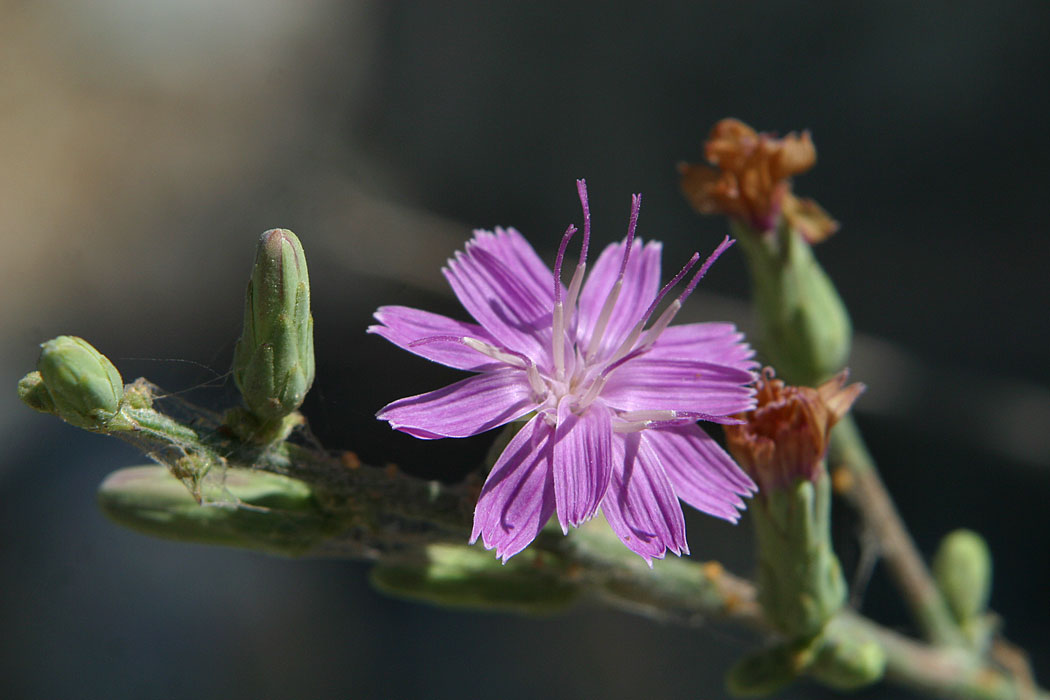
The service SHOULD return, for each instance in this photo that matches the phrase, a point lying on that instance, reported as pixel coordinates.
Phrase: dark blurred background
(145, 144)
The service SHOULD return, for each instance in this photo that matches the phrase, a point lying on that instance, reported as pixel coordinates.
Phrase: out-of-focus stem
(350, 510)
(864, 489)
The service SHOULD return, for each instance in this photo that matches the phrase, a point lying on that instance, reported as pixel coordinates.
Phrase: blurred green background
(144, 146)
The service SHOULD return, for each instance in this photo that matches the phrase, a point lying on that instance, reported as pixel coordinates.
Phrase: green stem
(339, 508)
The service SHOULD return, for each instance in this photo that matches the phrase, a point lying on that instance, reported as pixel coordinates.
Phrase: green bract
(34, 394)
(273, 363)
(84, 387)
(800, 584)
(804, 328)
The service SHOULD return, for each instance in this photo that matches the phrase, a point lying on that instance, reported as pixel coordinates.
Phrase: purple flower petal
(468, 407)
(508, 308)
(719, 343)
(702, 474)
(641, 282)
(403, 325)
(641, 505)
(645, 384)
(518, 497)
(655, 389)
(511, 248)
(582, 461)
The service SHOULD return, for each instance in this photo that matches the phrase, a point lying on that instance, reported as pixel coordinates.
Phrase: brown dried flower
(750, 180)
(785, 437)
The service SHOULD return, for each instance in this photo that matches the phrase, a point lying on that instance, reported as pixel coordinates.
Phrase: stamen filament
(603, 318)
(599, 382)
(669, 313)
(632, 338)
(512, 358)
(558, 315)
(614, 294)
(636, 207)
(581, 266)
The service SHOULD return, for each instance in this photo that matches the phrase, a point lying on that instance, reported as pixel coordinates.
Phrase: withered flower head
(786, 435)
(750, 180)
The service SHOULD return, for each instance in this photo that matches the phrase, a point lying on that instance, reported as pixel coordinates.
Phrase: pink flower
(613, 404)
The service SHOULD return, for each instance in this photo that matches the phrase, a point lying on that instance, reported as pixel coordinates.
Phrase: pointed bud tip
(274, 238)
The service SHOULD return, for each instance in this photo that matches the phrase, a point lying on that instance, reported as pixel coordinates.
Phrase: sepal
(800, 583)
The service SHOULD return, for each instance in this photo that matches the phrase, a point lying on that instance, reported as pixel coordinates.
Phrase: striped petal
(641, 505)
(517, 499)
(641, 282)
(510, 309)
(511, 248)
(403, 326)
(645, 384)
(719, 343)
(582, 461)
(702, 474)
(468, 407)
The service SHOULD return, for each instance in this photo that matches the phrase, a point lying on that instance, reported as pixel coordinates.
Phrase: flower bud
(781, 445)
(804, 330)
(84, 386)
(273, 363)
(803, 326)
(849, 662)
(962, 568)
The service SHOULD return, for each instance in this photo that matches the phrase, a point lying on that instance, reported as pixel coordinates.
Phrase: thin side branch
(865, 491)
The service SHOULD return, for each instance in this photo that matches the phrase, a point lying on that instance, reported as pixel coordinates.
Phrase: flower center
(589, 370)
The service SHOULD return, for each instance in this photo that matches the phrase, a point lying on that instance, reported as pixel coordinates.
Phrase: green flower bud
(804, 329)
(461, 576)
(34, 394)
(273, 363)
(800, 583)
(84, 386)
(283, 517)
(962, 568)
(848, 662)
